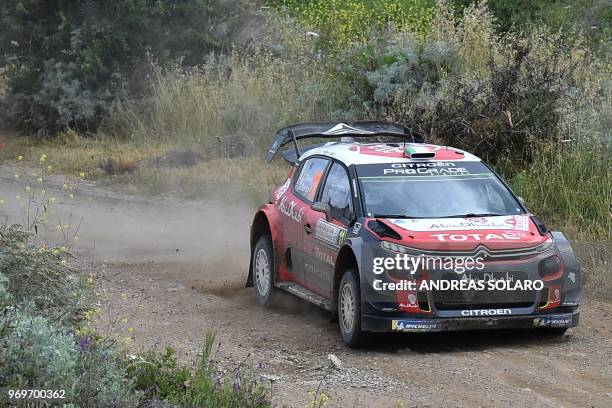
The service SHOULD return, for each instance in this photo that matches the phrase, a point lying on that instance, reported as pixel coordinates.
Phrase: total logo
(478, 237)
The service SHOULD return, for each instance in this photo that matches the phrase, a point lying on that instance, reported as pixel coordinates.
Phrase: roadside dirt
(172, 270)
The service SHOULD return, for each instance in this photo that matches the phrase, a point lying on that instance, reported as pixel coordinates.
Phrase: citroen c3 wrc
(354, 226)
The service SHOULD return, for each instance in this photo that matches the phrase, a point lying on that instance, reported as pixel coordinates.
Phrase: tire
(349, 310)
(263, 267)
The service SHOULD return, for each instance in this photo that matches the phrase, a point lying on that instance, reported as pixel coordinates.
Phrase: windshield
(434, 190)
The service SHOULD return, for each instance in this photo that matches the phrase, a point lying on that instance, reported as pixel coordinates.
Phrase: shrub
(68, 62)
(570, 185)
(161, 378)
(233, 106)
(499, 97)
(34, 354)
(341, 22)
(39, 277)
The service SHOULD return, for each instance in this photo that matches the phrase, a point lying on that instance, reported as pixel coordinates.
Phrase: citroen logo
(482, 252)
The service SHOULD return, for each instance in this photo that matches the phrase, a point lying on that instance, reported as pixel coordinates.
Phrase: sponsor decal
(323, 256)
(552, 321)
(283, 189)
(424, 170)
(289, 208)
(504, 222)
(413, 325)
(486, 312)
(572, 276)
(506, 236)
(357, 227)
(330, 234)
(314, 271)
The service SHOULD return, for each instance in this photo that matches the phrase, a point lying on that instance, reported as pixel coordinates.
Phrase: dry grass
(73, 155)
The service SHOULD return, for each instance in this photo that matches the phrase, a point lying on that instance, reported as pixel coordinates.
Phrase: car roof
(350, 153)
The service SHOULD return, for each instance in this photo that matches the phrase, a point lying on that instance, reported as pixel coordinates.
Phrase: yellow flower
(82, 174)
(65, 186)
(64, 262)
(28, 188)
(130, 330)
(52, 200)
(43, 157)
(16, 176)
(49, 168)
(71, 195)
(40, 180)
(20, 157)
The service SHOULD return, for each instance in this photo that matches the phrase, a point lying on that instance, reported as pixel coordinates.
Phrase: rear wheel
(349, 310)
(263, 267)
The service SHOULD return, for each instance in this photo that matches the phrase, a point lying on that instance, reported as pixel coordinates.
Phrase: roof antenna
(297, 150)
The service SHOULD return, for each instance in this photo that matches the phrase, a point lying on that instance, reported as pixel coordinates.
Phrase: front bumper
(375, 323)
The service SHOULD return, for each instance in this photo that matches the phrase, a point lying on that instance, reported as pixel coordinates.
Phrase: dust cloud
(202, 244)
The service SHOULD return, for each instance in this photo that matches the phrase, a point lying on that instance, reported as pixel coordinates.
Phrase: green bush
(34, 354)
(340, 22)
(464, 85)
(68, 62)
(39, 277)
(571, 186)
(161, 378)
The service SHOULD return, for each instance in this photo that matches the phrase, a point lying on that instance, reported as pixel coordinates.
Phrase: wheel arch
(262, 225)
(346, 259)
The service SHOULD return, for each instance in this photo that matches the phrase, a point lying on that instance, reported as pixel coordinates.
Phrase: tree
(67, 61)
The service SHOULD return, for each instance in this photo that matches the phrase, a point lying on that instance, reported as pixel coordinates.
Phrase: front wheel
(263, 267)
(349, 310)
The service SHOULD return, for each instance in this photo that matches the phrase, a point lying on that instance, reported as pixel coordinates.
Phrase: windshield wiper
(471, 215)
(394, 216)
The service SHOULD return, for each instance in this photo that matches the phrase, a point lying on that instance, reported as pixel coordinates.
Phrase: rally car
(390, 233)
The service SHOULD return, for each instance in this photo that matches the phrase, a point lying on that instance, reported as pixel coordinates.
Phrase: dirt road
(172, 270)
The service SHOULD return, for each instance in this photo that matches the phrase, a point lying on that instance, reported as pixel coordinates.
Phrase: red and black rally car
(345, 228)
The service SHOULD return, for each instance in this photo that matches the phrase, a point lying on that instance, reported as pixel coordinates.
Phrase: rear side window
(309, 178)
(337, 193)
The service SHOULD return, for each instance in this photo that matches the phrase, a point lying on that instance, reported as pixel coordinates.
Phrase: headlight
(400, 249)
(545, 246)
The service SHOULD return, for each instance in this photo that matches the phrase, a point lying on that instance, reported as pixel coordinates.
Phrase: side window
(309, 178)
(337, 193)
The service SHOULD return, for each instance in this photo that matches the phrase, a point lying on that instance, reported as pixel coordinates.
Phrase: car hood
(499, 232)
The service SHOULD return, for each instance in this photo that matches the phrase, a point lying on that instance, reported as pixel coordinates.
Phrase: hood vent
(383, 230)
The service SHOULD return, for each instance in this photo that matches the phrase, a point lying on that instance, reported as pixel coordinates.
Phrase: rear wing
(330, 130)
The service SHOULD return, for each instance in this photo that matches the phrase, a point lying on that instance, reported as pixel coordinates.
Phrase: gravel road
(175, 269)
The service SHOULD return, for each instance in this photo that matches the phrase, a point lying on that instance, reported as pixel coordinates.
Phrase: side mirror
(521, 200)
(324, 208)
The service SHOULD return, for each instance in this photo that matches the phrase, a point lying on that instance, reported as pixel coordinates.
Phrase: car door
(323, 238)
(294, 205)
